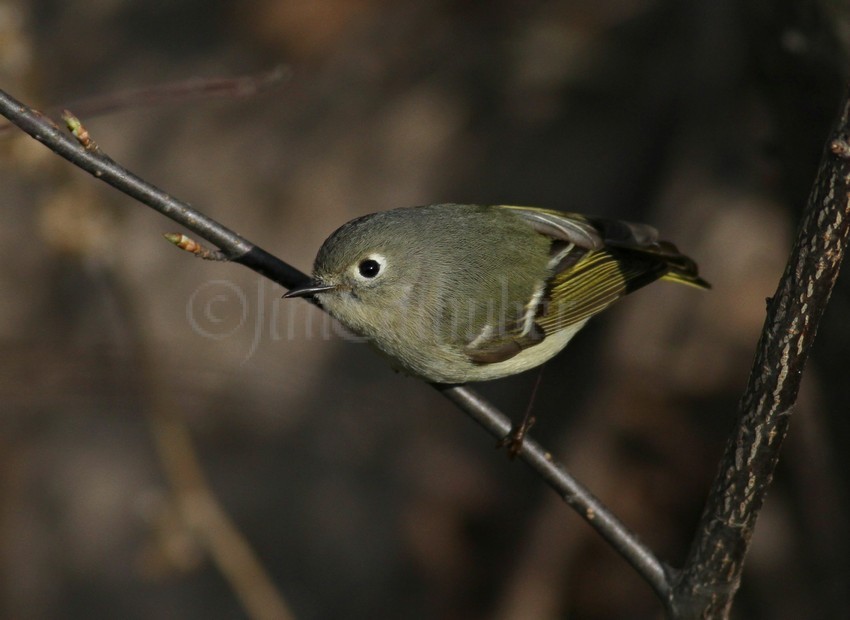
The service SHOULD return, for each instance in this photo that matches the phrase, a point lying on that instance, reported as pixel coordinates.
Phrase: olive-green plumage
(456, 293)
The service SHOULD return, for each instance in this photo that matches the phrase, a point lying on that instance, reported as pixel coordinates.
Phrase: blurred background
(176, 441)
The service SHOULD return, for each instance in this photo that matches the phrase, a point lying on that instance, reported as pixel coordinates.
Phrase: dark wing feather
(499, 349)
(558, 226)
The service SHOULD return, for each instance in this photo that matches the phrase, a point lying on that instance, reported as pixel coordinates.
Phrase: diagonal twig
(239, 87)
(201, 513)
(239, 250)
(208, 521)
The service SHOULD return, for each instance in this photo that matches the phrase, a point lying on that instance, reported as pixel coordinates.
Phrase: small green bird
(457, 293)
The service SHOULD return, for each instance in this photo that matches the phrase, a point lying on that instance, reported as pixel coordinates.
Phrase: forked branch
(706, 585)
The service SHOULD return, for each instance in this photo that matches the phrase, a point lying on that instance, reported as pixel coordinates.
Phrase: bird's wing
(596, 261)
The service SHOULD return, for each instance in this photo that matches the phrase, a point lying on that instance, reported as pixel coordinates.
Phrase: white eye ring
(370, 267)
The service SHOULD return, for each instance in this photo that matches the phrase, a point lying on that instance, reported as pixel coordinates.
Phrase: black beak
(310, 288)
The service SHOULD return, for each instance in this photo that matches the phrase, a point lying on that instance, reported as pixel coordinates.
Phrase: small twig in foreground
(193, 247)
(79, 131)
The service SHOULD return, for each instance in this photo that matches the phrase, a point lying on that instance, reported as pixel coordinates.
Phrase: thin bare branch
(239, 250)
(239, 87)
(589, 508)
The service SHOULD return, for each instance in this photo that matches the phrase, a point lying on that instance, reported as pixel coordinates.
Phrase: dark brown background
(365, 494)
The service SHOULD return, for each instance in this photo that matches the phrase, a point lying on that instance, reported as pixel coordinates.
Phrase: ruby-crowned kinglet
(456, 293)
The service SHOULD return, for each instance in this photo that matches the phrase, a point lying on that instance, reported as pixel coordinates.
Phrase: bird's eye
(369, 268)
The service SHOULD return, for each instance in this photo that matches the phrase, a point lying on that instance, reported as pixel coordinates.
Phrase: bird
(459, 293)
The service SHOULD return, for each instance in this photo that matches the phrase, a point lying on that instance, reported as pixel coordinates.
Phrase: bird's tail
(683, 269)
